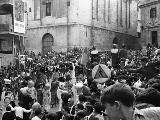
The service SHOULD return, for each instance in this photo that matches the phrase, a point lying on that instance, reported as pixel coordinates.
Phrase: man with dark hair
(119, 100)
(8, 115)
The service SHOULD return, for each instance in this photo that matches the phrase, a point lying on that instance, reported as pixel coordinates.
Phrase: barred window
(153, 12)
(48, 9)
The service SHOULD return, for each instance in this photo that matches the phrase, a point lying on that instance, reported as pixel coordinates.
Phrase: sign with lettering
(19, 16)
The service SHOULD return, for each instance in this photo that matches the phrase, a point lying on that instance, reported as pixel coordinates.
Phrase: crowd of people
(60, 86)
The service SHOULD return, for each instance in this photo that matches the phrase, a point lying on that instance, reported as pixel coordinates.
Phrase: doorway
(47, 43)
(154, 38)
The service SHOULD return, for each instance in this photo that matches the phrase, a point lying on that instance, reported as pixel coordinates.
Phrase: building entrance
(154, 38)
(47, 43)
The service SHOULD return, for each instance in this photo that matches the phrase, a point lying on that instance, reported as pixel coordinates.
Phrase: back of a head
(89, 108)
(82, 98)
(98, 108)
(52, 116)
(60, 114)
(80, 106)
(8, 108)
(156, 86)
(81, 114)
(20, 104)
(38, 111)
(69, 117)
(149, 96)
(35, 106)
(118, 92)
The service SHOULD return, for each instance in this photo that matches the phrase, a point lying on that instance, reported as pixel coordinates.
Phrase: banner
(19, 16)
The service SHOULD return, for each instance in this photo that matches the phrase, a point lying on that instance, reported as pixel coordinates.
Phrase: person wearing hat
(94, 55)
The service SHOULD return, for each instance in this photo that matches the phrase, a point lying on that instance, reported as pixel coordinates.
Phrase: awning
(6, 9)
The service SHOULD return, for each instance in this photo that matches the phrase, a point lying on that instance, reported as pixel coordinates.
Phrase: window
(121, 19)
(94, 8)
(129, 14)
(109, 5)
(37, 9)
(48, 9)
(153, 13)
(97, 10)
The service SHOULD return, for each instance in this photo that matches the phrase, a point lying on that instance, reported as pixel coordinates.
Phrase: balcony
(6, 28)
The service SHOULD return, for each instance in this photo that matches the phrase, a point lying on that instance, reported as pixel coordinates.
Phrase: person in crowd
(47, 97)
(40, 94)
(52, 116)
(8, 115)
(148, 98)
(19, 111)
(115, 56)
(97, 112)
(148, 70)
(119, 100)
(37, 114)
(80, 115)
(54, 98)
(34, 107)
(88, 109)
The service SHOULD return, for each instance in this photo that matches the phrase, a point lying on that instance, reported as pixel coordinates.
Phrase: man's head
(144, 61)
(118, 100)
(114, 46)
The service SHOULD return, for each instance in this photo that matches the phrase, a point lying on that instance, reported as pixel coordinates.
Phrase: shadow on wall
(131, 42)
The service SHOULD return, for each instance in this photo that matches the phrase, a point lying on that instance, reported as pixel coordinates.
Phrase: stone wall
(149, 24)
(105, 29)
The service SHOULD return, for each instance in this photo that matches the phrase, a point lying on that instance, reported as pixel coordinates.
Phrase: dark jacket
(8, 116)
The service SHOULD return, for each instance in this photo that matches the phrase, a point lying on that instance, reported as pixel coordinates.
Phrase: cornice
(149, 4)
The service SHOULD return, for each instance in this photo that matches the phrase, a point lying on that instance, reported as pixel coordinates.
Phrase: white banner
(19, 16)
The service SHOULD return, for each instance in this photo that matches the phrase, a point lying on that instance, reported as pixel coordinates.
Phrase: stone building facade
(11, 41)
(58, 24)
(150, 22)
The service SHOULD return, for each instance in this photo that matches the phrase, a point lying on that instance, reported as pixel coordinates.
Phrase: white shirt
(35, 118)
(19, 111)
